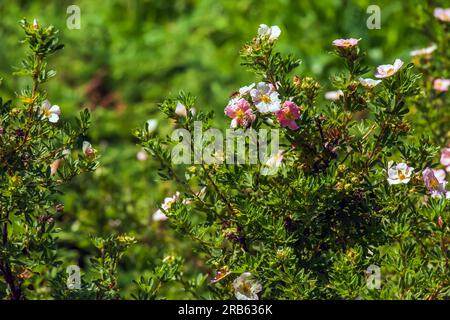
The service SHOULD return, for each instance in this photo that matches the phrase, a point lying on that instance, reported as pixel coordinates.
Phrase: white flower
(272, 32)
(50, 112)
(142, 155)
(180, 110)
(159, 216)
(246, 288)
(333, 95)
(152, 124)
(399, 173)
(167, 204)
(369, 83)
(88, 150)
(272, 164)
(245, 90)
(265, 98)
(424, 51)
(387, 70)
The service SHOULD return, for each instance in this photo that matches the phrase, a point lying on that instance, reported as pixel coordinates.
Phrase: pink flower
(241, 113)
(387, 70)
(445, 158)
(436, 185)
(442, 14)
(288, 114)
(441, 84)
(346, 43)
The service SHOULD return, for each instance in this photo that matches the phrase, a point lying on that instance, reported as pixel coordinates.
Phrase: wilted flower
(387, 70)
(221, 274)
(346, 43)
(180, 110)
(265, 98)
(288, 114)
(434, 185)
(246, 288)
(441, 84)
(445, 158)
(399, 173)
(241, 113)
(55, 166)
(272, 33)
(369, 83)
(50, 112)
(424, 51)
(88, 150)
(152, 124)
(35, 24)
(442, 14)
(333, 95)
(167, 204)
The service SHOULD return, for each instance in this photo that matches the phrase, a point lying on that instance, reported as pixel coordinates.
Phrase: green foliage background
(150, 49)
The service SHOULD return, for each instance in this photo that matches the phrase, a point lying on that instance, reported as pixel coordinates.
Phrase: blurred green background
(130, 55)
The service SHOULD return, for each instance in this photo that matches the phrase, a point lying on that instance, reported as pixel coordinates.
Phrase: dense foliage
(359, 180)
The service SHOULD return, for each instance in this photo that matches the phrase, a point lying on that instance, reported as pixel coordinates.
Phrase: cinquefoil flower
(369, 83)
(246, 287)
(442, 14)
(241, 113)
(50, 112)
(441, 84)
(435, 184)
(388, 70)
(159, 215)
(288, 114)
(265, 98)
(346, 43)
(424, 51)
(445, 158)
(399, 173)
(333, 95)
(272, 33)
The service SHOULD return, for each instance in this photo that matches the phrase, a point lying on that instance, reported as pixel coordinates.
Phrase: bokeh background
(131, 54)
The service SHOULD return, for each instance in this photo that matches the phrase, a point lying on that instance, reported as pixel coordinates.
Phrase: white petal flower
(265, 98)
(246, 288)
(369, 83)
(387, 70)
(180, 110)
(399, 173)
(152, 124)
(272, 33)
(159, 216)
(142, 155)
(424, 51)
(272, 164)
(50, 112)
(245, 90)
(333, 95)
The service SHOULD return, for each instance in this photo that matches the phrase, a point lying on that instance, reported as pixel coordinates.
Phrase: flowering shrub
(355, 190)
(40, 152)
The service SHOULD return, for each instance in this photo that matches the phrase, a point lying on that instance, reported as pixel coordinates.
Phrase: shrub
(352, 192)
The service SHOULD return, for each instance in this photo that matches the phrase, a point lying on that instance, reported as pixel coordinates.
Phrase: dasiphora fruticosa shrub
(347, 205)
(40, 151)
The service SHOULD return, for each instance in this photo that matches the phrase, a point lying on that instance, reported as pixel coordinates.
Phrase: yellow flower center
(401, 175)
(240, 114)
(265, 98)
(247, 288)
(434, 183)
